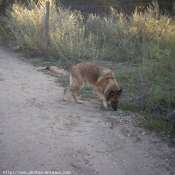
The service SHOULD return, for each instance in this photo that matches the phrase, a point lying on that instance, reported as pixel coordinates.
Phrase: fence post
(46, 32)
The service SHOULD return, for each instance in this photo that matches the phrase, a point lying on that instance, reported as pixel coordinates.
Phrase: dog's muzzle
(114, 105)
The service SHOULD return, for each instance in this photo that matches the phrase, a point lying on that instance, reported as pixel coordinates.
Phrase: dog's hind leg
(75, 90)
(78, 85)
(66, 90)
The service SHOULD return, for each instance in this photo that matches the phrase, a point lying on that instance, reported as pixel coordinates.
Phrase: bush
(25, 26)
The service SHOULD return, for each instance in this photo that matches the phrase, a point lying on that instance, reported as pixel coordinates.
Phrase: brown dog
(102, 80)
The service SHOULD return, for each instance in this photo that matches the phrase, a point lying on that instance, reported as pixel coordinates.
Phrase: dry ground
(39, 134)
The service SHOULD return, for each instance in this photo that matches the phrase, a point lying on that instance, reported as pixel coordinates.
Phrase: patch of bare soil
(40, 134)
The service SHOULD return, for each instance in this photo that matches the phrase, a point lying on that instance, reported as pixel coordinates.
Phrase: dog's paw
(64, 99)
(79, 102)
(105, 104)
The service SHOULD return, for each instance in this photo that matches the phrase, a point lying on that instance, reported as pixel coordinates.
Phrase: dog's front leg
(105, 104)
(102, 97)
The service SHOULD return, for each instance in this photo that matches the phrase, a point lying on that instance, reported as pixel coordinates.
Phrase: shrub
(25, 26)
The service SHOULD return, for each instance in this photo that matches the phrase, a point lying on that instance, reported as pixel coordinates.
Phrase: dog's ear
(110, 75)
(119, 92)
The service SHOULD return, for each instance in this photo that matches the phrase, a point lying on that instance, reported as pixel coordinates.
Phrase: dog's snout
(115, 109)
(114, 106)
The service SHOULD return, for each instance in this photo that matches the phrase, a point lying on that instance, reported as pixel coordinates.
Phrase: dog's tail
(57, 71)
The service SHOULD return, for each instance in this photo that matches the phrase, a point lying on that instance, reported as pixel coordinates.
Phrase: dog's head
(113, 97)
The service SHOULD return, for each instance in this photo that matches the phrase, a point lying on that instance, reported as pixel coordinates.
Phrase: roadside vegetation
(139, 48)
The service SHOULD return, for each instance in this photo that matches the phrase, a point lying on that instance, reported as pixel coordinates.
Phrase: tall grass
(144, 39)
(25, 26)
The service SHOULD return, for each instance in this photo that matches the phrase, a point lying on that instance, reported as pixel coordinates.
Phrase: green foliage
(25, 27)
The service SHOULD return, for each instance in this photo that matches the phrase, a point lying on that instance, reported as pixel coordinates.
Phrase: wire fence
(104, 10)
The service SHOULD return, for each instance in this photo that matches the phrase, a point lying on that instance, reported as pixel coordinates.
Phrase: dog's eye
(119, 92)
(111, 93)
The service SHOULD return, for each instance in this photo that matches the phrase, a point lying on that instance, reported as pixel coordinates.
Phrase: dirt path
(39, 134)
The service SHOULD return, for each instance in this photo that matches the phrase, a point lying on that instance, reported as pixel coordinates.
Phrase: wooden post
(47, 39)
